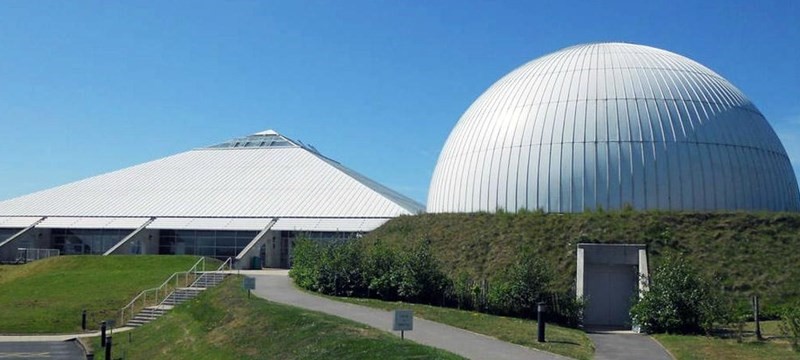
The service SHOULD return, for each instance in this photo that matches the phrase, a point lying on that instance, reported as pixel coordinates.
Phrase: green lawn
(560, 340)
(224, 324)
(774, 346)
(47, 296)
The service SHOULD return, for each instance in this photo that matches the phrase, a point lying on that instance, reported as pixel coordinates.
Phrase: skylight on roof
(264, 139)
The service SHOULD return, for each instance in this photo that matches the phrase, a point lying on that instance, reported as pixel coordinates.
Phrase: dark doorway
(609, 291)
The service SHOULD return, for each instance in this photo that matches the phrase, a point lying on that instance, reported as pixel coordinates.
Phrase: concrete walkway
(626, 345)
(275, 285)
(55, 337)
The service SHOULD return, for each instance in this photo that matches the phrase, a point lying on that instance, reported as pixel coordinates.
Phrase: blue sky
(88, 87)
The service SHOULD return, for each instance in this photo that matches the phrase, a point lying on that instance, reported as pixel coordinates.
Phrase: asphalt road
(45, 350)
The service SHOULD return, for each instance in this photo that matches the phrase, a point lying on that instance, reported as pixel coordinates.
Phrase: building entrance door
(609, 291)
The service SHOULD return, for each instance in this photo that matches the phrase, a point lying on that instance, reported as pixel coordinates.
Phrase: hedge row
(413, 274)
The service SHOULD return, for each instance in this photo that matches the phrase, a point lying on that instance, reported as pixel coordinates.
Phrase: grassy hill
(748, 252)
(47, 296)
(224, 323)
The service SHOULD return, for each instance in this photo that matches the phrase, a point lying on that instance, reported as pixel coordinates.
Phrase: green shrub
(341, 269)
(305, 263)
(679, 300)
(381, 271)
(566, 309)
(520, 287)
(461, 292)
(790, 325)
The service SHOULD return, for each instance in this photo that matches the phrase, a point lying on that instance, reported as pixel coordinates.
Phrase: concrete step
(177, 297)
(152, 313)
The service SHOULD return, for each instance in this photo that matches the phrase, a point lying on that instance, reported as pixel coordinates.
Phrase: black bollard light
(83, 320)
(103, 334)
(540, 309)
(108, 348)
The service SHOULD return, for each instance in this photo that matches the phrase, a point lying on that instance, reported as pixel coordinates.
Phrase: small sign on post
(249, 284)
(403, 321)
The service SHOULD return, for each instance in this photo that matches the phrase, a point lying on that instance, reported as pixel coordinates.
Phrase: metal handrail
(161, 290)
(228, 262)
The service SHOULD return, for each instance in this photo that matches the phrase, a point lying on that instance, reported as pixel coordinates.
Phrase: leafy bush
(343, 268)
(422, 280)
(381, 271)
(520, 287)
(790, 325)
(679, 301)
(566, 309)
(305, 263)
(340, 271)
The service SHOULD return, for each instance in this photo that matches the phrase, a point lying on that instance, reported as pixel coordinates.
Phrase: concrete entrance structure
(608, 277)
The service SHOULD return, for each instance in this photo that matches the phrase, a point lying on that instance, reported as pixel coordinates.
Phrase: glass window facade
(86, 241)
(6, 233)
(213, 243)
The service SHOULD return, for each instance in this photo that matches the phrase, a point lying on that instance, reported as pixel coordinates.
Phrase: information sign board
(403, 320)
(249, 283)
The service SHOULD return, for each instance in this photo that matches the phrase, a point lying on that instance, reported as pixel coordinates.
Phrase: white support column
(644, 272)
(252, 247)
(119, 246)
(7, 248)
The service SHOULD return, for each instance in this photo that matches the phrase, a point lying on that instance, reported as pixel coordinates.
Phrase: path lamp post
(103, 334)
(83, 320)
(540, 310)
(108, 348)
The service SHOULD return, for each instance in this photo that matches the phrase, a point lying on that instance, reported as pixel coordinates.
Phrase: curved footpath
(276, 286)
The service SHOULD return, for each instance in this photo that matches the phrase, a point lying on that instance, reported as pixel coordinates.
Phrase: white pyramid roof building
(241, 184)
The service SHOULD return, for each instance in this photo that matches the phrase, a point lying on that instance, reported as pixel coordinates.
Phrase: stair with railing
(209, 279)
(160, 302)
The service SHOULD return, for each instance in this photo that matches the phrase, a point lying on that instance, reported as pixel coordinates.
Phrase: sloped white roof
(242, 178)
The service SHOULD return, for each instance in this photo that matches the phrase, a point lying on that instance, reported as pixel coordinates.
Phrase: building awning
(328, 224)
(18, 221)
(63, 222)
(248, 224)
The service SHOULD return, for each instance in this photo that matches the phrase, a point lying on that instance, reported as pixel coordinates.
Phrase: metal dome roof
(610, 124)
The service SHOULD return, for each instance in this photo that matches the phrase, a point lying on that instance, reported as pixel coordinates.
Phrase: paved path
(56, 337)
(51, 350)
(626, 345)
(276, 286)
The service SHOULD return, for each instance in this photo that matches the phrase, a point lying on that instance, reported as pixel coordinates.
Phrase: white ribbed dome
(604, 125)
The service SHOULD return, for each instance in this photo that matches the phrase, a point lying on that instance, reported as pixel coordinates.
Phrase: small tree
(679, 301)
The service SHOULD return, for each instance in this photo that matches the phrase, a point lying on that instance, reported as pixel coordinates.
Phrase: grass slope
(560, 340)
(47, 296)
(774, 347)
(749, 252)
(224, 324)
